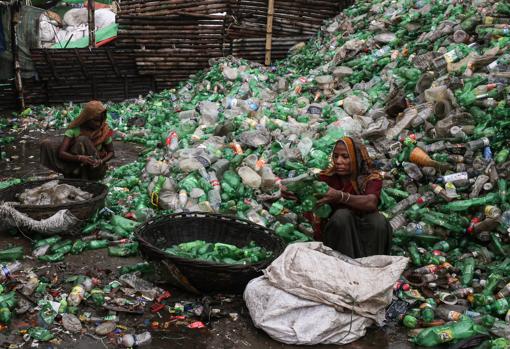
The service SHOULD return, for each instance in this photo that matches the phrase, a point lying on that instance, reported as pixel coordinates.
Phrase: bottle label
(215, 183)
(6, 271)
(454, 315)
(456, 177)
(438, 189)
(491, 211)
(203, 161)
(493, 65)
(171, 137)
(450, 56)
(445, 335)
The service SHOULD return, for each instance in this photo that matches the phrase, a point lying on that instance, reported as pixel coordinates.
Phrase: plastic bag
(297, 303)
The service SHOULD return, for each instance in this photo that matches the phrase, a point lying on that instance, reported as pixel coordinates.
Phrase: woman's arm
(64, 154)
(364, 203)
(63, 151)
(109, 153)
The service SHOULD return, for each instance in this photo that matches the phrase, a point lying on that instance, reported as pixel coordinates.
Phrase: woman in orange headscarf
(86, 147)
(355, 227)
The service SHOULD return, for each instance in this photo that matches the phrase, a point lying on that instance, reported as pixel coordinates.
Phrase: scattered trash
(425, 85)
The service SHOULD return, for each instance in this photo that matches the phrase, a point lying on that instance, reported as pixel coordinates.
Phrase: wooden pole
(91, 5)
(269, 31)
(15, 17)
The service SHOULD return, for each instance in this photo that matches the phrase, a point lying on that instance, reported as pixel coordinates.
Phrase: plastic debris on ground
(425, 85)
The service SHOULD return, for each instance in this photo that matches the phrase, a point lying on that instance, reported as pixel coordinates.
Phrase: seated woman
(86, 147)
(355, 227)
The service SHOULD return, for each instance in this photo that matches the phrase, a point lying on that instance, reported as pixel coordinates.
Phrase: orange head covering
(90, 111)
(362, 169)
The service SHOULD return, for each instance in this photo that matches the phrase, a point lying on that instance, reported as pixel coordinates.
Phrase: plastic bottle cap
(455, 130)
(487, 186)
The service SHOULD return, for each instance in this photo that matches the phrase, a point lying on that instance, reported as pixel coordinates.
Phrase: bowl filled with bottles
(205, 252)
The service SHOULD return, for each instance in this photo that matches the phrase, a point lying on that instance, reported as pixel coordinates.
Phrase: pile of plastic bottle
(425, 84)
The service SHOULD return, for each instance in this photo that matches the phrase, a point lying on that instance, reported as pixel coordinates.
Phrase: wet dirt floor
(22, 161)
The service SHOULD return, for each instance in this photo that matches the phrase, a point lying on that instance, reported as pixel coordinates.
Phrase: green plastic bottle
(323, 211)
(61, 245)
(11, 254)
(498, 307)
(97, 296)
(468, 270)
(414, 254)
(143, 267)
(78, 247)
(427, 313)
(40, 334)
(49, 241)
(57, 257)
(492, 282)
(124, 250)
(502, 156)
(434, 336)
(97, 244)
(410, 321)
(464, 205)
(5, 315)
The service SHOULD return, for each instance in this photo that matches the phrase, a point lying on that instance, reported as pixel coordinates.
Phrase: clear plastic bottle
(249, 177)
(172, 142)
(30, 286)
(478, 185)
(214, 194)
(268, 178)
(183, 198)
(76, 296)
(412, 170)
(505, 220)
(7, 270)
(478, 143)
(129, 340)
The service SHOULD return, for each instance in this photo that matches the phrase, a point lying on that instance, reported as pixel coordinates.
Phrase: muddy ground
(22, 161)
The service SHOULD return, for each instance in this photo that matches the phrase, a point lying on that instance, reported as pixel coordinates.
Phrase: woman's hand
(87, 160)
(286, 194)
(97, 163)
(332, 196)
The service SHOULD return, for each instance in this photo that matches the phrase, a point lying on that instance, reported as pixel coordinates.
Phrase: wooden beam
(91, 6)
(15, 19)
(269, 31)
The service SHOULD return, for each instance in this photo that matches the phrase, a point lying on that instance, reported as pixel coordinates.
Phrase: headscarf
(90, 111)
(362, 169)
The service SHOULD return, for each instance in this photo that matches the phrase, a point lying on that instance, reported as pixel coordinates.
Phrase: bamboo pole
(15, 51)
(91, 5)
(269, 31)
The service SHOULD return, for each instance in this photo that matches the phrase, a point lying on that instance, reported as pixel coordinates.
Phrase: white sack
(327, 283)
(76, 17)
(293, 320)
(103, 17)
(61, 222)
(47, 31)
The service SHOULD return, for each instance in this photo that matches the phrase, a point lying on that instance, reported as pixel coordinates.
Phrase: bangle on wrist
(342, 198)
(348, 198)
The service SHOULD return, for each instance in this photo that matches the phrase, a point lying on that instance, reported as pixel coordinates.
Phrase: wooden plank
(114, 65)
(91, 8)
(269, 31)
